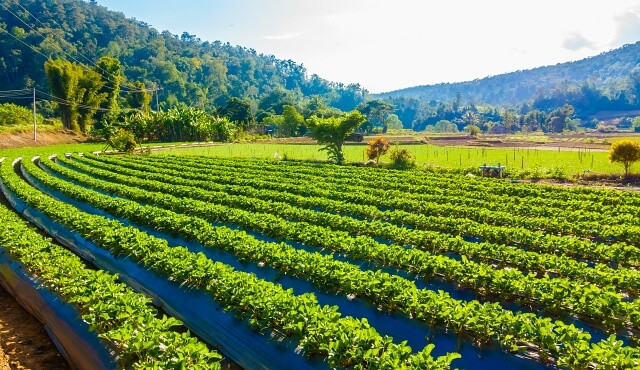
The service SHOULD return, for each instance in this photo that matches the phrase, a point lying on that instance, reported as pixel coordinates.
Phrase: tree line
(201, 74)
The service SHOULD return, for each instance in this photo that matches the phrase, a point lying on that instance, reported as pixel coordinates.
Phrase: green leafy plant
(123, 140)
(402, 159)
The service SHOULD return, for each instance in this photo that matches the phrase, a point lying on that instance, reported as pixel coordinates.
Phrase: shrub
(402, 158)
(377, 147)
(473, 130)
(123, 140)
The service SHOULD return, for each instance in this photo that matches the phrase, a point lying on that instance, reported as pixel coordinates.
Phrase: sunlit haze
(386, 45)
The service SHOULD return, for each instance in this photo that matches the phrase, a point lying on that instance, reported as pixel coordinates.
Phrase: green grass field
(568, 161)
(544, 161)
(47, 150)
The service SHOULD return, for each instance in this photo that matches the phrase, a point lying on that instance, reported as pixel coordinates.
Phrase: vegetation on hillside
(202, 74)
(614, 75)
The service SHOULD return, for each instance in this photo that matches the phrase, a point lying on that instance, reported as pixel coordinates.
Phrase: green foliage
(473, 130)
(239, 112)
(625, 152)
(126, 320)
(273, 101)
(333, 131)
(123, 141)
(402, 158)
(486, 322)
(376, 111)
(292, 122)
(393, 122)
(607, 81)
(443, 126)
(558, 120)
(319, 330)
(63, 80)
(176, 124)
(79, 88)
(12, 116)
(273, 120)
(139, 98)
(110, 71)
(198, 73)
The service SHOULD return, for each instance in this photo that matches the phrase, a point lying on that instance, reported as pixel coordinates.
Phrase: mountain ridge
(606, 69)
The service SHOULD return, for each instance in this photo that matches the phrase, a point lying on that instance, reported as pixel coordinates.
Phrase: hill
(608, 73)
(200, 73)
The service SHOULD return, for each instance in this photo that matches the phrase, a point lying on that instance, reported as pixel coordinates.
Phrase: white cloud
(627, 27)
(576, 41)
(391, 44)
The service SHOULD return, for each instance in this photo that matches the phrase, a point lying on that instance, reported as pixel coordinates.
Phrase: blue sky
(391, 44)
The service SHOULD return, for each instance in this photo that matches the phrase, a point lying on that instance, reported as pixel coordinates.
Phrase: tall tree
(63, 79)
(77, 92)
(110, 72)
(139, 97)
(293, 121)
(90, 97)
(333, 131)
(626, 152)
(376, 111)
(239, 112)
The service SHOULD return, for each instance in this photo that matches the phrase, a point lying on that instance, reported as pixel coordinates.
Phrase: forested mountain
(613, 73)
(199, 73)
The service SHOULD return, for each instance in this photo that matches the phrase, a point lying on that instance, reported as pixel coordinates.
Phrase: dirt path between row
(24, 344)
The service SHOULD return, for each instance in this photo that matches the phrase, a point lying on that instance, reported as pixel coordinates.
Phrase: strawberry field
(183, 261)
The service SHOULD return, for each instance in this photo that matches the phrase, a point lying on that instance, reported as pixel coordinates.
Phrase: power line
(70, 103)
(20, 90)
(15, 98)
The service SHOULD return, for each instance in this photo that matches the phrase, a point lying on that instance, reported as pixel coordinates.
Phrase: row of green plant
(430, 191)
(123, 319)
(442, 185)
(624, 279)
(452, 180)
(555, 296)
(431, 211)
(321, 331)
(484, 322)
(620, 252)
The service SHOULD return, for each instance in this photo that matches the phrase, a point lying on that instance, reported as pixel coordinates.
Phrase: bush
(12, 115)
(377, 148)
(402, 158)
(123, 141)
(473, 130)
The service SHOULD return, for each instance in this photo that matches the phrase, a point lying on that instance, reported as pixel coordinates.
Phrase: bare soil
(24, 344)
(25, 139)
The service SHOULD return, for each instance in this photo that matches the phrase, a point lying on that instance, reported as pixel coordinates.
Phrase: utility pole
(34, 115)
(157, 104)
